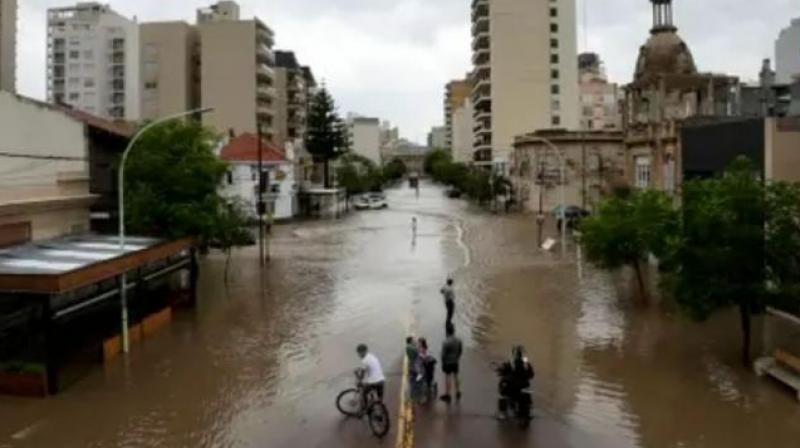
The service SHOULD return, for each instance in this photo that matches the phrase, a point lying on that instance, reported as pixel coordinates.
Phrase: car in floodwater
(371, 201)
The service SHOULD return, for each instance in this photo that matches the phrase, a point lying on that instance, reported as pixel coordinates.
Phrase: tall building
(170, 76)
(462, 128)
(787, 53)
(525, 74)
(599, 98)
(365, 137)
(437, 138)
(93, 60)
(236, 70)
(456, 93)
(8, 45)
(291, 101)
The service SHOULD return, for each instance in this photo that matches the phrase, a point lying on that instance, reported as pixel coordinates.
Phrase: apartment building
(236, 71)
(93, 60)
(437, 137)
(525, 72)
(365, 137)
(8, 45)
(456, 93)
(599, 98)
(170, 69)
(462, 132)
(787, 53)
(291, 100)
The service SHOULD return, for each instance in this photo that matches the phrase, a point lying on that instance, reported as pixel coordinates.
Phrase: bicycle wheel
(378, 417)
(349, 402)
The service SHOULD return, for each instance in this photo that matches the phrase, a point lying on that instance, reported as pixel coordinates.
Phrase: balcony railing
(481, 57)
(481, 41)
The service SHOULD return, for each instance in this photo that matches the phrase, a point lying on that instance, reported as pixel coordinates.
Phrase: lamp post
(123, 293)
(563, 172)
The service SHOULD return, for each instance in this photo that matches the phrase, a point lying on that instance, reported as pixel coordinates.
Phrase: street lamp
(562, 170)
(121, 200)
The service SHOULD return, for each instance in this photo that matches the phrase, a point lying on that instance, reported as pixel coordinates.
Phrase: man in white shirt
(449, 296)
(374, 378)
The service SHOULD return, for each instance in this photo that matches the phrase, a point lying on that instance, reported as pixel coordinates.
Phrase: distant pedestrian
(414, 226)
(452, 349)
(449, 296)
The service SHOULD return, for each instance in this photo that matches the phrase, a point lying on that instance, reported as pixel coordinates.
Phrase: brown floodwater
(258, 362)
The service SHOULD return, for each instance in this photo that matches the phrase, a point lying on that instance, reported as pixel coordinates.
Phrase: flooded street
(259, 363)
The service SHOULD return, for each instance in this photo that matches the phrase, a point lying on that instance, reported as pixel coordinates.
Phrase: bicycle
(360, 402)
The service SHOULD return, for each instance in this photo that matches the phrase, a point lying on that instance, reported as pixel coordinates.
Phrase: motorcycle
(516, 400)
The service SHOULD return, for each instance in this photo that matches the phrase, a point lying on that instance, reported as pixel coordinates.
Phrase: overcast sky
(391, 58)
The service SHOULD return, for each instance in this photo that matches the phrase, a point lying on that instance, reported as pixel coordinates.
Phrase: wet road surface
(258, 363)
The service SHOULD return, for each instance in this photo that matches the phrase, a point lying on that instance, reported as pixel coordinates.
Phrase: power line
(14, 155)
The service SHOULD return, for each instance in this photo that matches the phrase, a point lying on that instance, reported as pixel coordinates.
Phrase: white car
(362, 203)
(377, 201)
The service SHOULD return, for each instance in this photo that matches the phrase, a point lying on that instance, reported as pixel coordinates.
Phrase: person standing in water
(414, 227)
(449, 296)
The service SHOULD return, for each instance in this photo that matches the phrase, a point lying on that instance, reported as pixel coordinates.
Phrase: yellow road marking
(405, 413)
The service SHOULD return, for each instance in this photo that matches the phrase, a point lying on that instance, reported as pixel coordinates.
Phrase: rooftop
(244, 148)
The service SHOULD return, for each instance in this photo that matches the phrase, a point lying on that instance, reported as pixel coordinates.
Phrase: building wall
(27, 183)
(8, 45)
(366, 138)
(80, 43)
(456, 93)
(521, 79)
(604, 169)
(782, 149)
(462, 132)
(599, 103)
(438, 137)
(787, 53)
(228, 74)
(243, 181)
(169, 79)
(281, 126)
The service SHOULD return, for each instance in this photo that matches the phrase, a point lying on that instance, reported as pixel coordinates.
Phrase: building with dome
(667, 90)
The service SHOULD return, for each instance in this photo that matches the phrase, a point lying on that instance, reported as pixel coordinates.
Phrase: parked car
(573, 213)
(453, 193)
(377, 201)
(362, 202)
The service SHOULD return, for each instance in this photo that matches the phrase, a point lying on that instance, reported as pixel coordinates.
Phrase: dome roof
(665, 53)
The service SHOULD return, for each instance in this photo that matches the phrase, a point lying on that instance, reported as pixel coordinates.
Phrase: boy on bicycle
(374, 378)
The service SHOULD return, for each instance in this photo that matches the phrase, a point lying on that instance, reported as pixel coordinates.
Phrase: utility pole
(583, 170)
(260, 201)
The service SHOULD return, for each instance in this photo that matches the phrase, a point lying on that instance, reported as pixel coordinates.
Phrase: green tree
(394, 170)
(783, 244)
(231, 229)
(721, 258)
(171, 181)
(436, 158)
(626, 231)
(327, 136)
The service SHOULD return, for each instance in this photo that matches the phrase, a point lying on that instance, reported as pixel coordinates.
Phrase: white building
(44, 181)
(242, 181)
(787, 53)
(525, 73)
(93, 60)
(599, 98)
(462, 122)
(437, 138)
(8, 45)
(365, 137)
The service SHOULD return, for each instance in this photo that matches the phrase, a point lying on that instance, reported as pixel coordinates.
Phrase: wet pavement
(258, 363)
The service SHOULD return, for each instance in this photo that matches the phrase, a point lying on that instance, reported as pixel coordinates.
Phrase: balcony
(480, 25)
(265, 72)
(481, 58)
(481, 41)
(266, 92)
(264, 55)
(265, 36)
(264, 109)
(482, 98)
(480, 8)
(482, 114)
(117, 98)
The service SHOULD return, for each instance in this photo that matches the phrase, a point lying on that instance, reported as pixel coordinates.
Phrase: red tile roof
(244, 148)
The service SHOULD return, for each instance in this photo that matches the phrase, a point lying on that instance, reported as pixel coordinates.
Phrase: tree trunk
(746, 321)
(637, 266)
(327, 180)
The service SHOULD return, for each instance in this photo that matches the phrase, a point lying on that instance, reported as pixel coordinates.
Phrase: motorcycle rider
(516, 376)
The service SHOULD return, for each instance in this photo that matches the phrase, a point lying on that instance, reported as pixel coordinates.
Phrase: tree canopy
(327, 136)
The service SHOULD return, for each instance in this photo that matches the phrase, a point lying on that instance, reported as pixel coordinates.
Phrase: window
(555, 105)
(554, 73)
(229, 175)
(555, 89)
(642, 172)
(556, 120)
(74, 67)
(553, 27)
(553, 12)
(73, 82)
(669, 176)
(150, 85)
(554, 59)
(74, 54)
(88, 82)
(74, 96)
(88, 54)
(553, 43)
